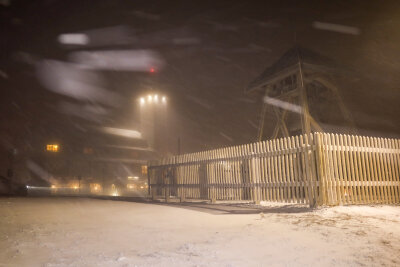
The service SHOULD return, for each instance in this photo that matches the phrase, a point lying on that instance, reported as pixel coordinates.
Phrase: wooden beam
(261, 123)
(330, 86)
(305, 121)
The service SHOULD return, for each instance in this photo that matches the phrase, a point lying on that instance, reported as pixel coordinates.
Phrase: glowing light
(115, 194)
(52, 148)
(336, 28)
(122, 132)
(122, 60)
(283, 104)
(75, 187)
(150, 98)
(53, 186)
(144, 169)
(142, 101)
(152, 70)
(142, 187)
(156, 98)
(164, 99)
(73, 38)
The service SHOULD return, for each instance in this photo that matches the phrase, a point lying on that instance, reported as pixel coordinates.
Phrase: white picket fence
(317, 169)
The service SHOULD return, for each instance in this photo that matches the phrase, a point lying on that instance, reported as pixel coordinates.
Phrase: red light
(152, 70)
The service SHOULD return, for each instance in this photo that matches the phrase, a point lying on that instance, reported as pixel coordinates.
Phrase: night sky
(211, 50)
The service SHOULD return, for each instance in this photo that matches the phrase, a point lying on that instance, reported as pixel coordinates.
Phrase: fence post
(148, 178)
(182, 197)
(166, 194)
(253, 179)
(166, 185)
(321, 169)
(252, 173)
(152, 187)
(153, 193)
(308, 166)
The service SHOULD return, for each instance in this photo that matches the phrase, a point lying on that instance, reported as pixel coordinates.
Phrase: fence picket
(359, 171)
(396, 166)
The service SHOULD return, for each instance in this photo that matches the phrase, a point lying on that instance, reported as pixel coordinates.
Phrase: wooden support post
(253, 180)
(166, 190)
(309, 175)
(182, 198)
(261, 123)
(305, 118)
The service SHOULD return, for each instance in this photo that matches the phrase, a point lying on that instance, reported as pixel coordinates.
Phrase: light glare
(73, 38)
(122, 132)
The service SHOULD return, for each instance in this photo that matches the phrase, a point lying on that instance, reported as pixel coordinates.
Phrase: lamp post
(153, 116)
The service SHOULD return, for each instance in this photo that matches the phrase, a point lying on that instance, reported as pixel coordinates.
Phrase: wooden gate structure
(299, 91)
(316, 169)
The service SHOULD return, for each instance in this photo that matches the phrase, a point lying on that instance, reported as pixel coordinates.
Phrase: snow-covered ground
(92, 232)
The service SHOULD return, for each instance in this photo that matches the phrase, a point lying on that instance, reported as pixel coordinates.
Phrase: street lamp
(152, 99)
(153, 116)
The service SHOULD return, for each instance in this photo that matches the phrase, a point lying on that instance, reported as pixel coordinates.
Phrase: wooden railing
(318, 169)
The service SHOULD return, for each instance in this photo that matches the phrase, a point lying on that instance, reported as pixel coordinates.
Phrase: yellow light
(52, 148)
(156, 98)
(150, 98)
(75, 187)
(142, 101)
(141, 187)
(144, 169)
(164, 99)
(53, 186)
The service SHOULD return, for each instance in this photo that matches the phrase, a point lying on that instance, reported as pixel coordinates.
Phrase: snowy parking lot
(92, 232)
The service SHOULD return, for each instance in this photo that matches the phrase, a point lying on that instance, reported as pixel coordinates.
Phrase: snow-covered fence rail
(315, 169)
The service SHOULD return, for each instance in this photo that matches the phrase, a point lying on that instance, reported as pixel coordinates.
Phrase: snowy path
(91, 232)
